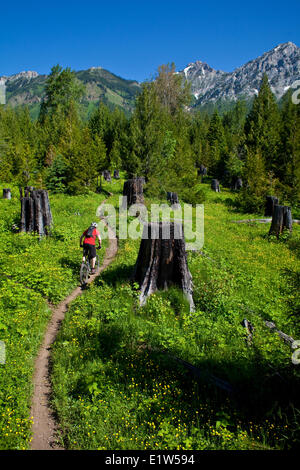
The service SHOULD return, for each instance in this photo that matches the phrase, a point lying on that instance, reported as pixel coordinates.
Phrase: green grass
(115, 383)
(33, 274)
(116, 388)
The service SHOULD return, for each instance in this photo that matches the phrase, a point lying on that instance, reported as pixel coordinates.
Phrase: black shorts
(89, 250)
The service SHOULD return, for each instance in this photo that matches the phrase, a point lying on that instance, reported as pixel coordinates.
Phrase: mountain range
(281, 64)
(100, 85)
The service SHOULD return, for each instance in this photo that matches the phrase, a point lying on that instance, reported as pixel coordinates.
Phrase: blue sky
(132, 38)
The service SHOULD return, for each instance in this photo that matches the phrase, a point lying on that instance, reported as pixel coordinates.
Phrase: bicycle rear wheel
(84, 273)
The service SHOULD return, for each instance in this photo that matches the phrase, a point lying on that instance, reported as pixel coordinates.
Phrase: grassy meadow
(34, 275)
(117, 382)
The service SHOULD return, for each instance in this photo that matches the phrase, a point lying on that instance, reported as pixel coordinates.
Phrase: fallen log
(249, 221)
(287, 339)
(202, 374)
(249, 328)
(196, 371)
(271, 325)
(259, 221)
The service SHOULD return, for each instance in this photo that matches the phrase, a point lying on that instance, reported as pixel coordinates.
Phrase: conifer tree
(253, 194)
(62, 88)
(217, 144)
(289, 154)
(262, 126)
(148, 125)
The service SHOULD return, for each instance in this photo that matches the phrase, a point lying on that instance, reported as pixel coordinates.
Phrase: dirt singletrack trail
(45, 427)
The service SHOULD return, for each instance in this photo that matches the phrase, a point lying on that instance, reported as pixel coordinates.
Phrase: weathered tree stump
(36, 214)
(116, 174)
(281, 220)
(215, 186)
(133, 192)
(99, 186)
(172, 198)
(162, 260)
(238, 184)
(271, 201)
(202, 171)
(107, 176)
(6, 193)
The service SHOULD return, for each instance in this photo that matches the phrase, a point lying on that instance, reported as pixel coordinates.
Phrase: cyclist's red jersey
(91, 240)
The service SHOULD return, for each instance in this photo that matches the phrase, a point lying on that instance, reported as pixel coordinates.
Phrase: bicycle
(85, 269)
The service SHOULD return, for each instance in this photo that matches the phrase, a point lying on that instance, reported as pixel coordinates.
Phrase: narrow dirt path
(45, 426)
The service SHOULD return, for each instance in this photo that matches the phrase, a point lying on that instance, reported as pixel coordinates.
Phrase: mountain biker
(89, 243)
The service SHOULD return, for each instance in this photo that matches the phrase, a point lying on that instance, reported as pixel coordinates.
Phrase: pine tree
(256, 185)
(262, 126)
(56, 177)
(61, 90)
(217, 143)
(289, 154)
(148, 125)
(198, 130)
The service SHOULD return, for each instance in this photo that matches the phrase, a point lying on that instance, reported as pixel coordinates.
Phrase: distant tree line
(163, 141)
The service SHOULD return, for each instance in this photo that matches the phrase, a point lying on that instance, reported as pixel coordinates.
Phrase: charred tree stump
(107, 176)
(271, 201)
(36, 214)
(133, 192)
(116, 175)
(173, 198)
(215, 186)
(162, 261)
(238, 184)
(99, 187)
(202, 171)
(6, 193)
(281, 220)
(26, 215)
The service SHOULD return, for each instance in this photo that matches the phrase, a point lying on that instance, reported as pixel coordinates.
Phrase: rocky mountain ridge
(281, 64)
